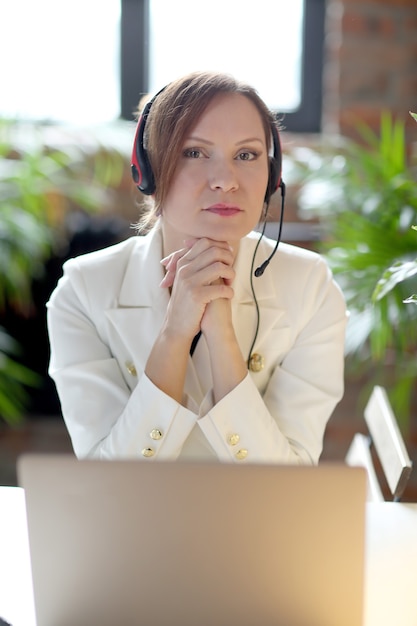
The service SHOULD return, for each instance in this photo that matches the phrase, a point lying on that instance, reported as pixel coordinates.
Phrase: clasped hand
(200, 276)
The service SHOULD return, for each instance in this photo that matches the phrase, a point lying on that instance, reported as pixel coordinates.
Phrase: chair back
(359, 455)
(388, 441)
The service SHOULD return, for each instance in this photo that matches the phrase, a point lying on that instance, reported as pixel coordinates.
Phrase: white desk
(16, 595)
(390, 579)
(391, 565)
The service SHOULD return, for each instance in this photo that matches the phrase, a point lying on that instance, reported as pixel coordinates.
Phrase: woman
(164, 346)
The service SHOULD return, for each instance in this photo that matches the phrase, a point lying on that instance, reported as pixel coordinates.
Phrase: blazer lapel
(142, 302)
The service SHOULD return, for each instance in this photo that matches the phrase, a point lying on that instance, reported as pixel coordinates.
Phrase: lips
(224, 209)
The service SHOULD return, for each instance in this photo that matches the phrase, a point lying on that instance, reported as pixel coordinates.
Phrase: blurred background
(341, 76)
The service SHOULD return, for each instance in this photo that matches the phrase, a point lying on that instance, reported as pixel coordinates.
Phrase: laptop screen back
(194, 544)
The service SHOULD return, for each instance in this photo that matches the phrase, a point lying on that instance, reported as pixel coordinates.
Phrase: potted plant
(365, 195)
(39, 186)
(398, 272)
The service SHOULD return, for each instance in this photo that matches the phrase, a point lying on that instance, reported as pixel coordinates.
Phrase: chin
(228, 231)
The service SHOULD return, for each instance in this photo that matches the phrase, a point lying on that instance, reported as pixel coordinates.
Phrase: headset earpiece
(141, 168)
(275, 165)
(273, 179)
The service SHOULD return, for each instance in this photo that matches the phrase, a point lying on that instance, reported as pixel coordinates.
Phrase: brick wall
(370, 63)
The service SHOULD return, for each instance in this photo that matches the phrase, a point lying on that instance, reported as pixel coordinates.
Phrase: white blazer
(104, 317)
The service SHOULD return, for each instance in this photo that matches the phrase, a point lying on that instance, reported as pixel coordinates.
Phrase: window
(247, 49)
(278, 48)
(60, 60)
(89, 61)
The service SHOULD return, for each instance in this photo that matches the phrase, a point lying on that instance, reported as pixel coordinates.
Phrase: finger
(199, 245)
(216, 273)
(171, 259)
(217, 291)
(203, 253)
(168, 279)
(201, 257)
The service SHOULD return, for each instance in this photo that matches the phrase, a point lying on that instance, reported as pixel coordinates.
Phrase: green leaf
(414, 115)
(397, 273)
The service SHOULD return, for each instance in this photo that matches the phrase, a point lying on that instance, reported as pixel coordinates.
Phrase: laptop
(131, 543)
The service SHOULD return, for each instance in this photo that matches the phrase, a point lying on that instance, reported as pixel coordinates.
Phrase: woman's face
(219, 186)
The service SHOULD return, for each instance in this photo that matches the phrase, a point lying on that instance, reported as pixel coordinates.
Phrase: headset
(144, 179)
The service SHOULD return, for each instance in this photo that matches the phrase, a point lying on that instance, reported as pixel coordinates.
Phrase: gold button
(241, 454)
(148, 452)
(233, 439)
(155, 434)
(131, 368)
(256, 362)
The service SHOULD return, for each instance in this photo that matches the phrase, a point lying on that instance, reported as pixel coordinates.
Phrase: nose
(223, 176)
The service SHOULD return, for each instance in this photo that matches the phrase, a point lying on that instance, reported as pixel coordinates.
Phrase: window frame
(135, 59)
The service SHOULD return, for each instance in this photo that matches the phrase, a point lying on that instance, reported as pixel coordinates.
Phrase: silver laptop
(131, 543)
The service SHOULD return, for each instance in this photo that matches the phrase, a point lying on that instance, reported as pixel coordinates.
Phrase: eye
(193, 153)
(247, 155)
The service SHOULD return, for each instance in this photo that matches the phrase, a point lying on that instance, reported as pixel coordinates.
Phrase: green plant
(365, 194)
(39, 186)
(397, 273)
(14, 380)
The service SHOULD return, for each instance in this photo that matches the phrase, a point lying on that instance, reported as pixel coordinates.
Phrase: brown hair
(175, 111)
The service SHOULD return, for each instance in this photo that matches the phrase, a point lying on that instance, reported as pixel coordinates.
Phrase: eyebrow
(238, 143)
